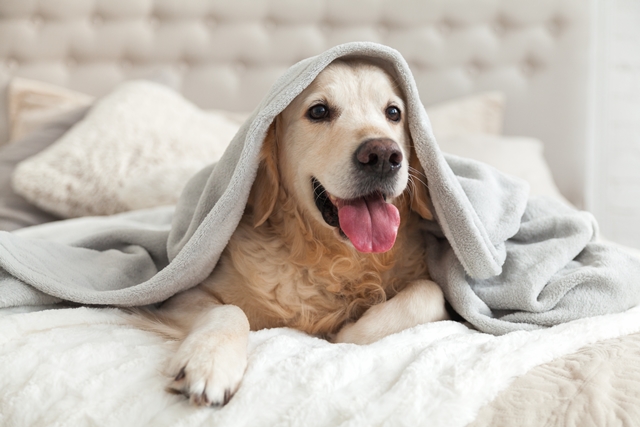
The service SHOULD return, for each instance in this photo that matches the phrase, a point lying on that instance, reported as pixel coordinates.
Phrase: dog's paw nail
(173, 390)
(181, 374)
(196, 399)
(227, 396)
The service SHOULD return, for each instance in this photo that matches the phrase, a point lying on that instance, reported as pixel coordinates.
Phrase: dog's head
(342, 149)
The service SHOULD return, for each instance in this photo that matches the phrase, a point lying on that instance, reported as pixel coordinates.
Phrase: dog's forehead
(343, 81)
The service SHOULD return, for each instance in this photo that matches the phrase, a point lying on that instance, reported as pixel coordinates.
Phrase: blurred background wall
(613, 186)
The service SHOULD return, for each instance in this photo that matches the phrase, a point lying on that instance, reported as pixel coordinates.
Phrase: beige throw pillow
(519, 156)
(475, 114)
(32, 103)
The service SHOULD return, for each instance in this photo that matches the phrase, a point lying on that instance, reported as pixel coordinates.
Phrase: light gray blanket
(505, 262)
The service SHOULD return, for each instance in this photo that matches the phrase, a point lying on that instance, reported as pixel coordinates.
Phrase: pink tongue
(369, 222)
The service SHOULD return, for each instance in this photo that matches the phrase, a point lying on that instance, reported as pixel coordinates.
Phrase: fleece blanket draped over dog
(504, 261)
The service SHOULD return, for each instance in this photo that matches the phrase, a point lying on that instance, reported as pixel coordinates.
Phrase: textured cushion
(40, 113)
(136, 148)
(15, 211)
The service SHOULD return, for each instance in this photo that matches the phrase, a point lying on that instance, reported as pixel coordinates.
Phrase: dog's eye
(393, 113)
(318, 112)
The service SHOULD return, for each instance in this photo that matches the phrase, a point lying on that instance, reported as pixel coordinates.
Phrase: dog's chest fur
(292, 272)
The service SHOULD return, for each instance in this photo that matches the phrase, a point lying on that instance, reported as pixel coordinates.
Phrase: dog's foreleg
(211, 361)
(420, 302)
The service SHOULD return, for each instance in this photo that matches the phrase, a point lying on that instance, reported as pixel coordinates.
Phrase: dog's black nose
(380, 156)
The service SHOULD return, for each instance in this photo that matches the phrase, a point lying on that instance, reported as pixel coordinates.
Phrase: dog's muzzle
(366, 219)
(369, 222)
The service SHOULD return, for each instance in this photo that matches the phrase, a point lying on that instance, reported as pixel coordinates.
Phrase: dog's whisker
(417, 172)
(323, 193)
(316, 187)
(419, 180)
(417, 175)
(410, 190)
(412, 187)
(408, 193)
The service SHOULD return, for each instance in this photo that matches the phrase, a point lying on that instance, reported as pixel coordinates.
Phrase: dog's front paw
(365, 331)
(211, 361)
(420, 302)
(208, 368)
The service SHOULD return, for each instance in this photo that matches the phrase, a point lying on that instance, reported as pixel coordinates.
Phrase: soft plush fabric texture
(504, 262)
(15, 211)
(40, 114)
(86, 367)
(136, 148)
(596, 386)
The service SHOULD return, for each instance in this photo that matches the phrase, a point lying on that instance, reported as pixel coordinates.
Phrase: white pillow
(519, 156)
(136, 148)
(481, 113)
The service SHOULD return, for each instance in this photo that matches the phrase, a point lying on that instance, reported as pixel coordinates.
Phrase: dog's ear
(418, 191)
(264, 192)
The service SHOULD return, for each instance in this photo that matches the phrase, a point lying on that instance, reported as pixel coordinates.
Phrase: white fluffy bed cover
(87, 367)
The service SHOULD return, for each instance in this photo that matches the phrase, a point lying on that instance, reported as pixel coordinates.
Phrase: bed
(497, 78)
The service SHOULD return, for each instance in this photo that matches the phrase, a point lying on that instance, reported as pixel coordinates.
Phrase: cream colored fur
(284, 266)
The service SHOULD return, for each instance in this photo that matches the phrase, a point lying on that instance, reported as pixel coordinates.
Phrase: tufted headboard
(228, 53)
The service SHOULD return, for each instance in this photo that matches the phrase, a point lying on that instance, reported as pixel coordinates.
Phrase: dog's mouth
(369, 222)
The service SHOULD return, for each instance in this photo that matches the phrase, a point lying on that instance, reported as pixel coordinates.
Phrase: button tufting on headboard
(11, 63)
(97, 19)
(37, 20)
(154, 21)
(556, 25)
(445, 27)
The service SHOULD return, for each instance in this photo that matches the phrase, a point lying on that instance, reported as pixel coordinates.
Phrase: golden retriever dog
(329, 242)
